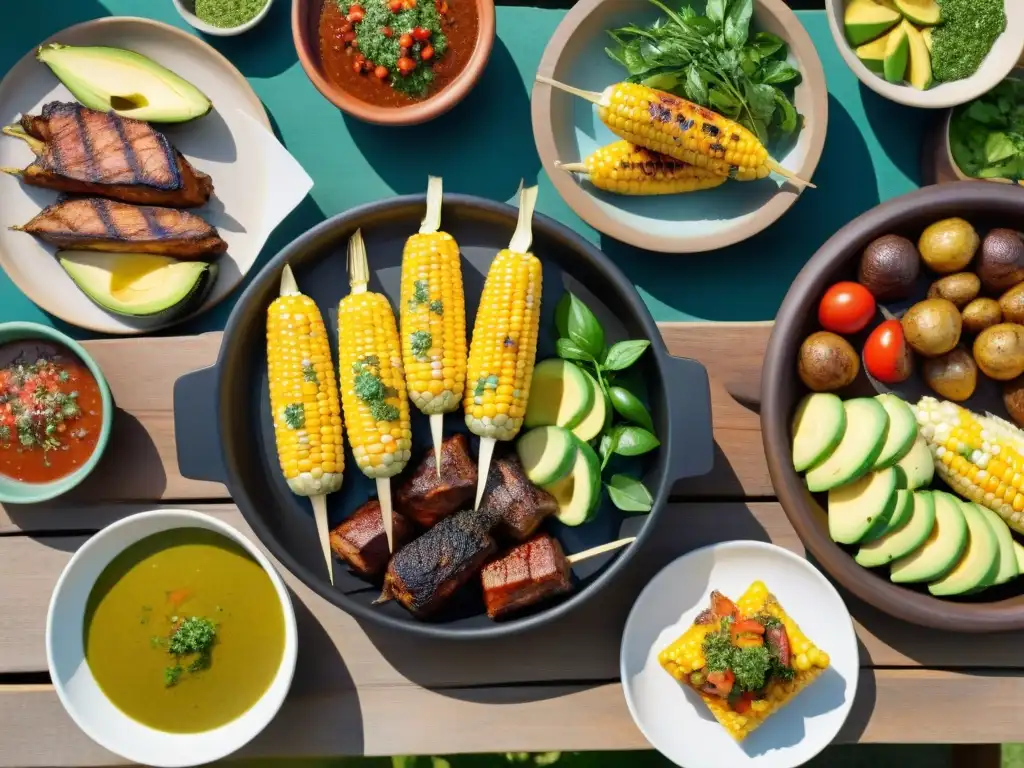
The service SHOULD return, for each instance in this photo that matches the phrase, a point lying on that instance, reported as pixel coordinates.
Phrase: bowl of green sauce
(171, 639)
(223, 18)
(984, 138)
(932, 54)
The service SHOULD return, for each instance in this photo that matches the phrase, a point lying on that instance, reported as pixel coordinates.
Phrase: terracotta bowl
(1001, 59)
(305, 33)
(567, 129)
(984, 205)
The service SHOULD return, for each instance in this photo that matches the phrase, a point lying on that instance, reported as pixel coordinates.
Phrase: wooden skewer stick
(600, 550)
(319, 502)
(432, 223)
(572, 167)
(602, 100)
(521, 241)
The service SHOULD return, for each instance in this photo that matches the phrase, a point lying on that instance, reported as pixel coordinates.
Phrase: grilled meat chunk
(525, 575)
(522, 505)
(361, 542)
(426, 572)
(95, 224)
(426, 498)
(85, 152)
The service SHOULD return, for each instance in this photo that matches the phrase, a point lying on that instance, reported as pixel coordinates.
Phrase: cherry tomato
(409, 4)
(886, 354)
(357, 66)
(419, 33)
(405, 41)
(349, 37)
(395, 6)
(406, 65)
(846, 308)
(381, 71)
(386, 31)
(427, 53)
(355, 13)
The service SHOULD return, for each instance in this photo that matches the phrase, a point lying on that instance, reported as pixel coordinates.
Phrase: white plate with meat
(213, 187)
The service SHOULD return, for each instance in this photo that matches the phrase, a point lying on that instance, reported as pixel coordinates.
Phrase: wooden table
(361, 690)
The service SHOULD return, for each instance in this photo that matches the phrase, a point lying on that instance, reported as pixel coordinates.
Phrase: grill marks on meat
(426, 572)
(427, 498)
(87, 152)
(94, 224)
(531, 572)
(361, 542)
(522, 505)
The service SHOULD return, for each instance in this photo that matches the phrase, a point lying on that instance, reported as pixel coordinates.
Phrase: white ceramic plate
(233, 143)
(675, 720)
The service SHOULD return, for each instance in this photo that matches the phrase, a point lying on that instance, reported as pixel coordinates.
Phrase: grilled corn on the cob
(504, 345)
(672, 126)
(304, 401)
(433, 313)
(685, 656)
(626, 169)
(372, 381)
(979, 457)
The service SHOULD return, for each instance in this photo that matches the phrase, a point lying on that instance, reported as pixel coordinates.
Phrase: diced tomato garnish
(722, 606)
(419, 33)
(742, 704)
(722, 682)
(427, 52)
(748, 626)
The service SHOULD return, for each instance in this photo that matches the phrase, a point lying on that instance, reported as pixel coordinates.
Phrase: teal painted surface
(485, 145)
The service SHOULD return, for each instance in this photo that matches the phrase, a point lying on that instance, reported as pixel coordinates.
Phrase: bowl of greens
(985, 137)
(680, 126)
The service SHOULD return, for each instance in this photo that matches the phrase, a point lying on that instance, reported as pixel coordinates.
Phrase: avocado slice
(920, 75)
(897, 55)
(139, 285)
(941, 550)
(905, 539)
(868, 503)
(978, 567)
(927, 35)
(866, 20)
(873, 54)
(125, 82)
(923, 12)
(1007, 558)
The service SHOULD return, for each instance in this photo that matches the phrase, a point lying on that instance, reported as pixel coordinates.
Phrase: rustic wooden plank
(583, 646)
(892, 706)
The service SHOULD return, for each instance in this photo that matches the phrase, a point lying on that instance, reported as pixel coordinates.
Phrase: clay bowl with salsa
(55, 413)
(393, 62)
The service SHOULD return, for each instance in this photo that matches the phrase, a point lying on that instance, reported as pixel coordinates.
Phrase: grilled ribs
(361, 542)
(522, 505)
(528, 573)
(85, 152)
(426, 498)
(426, 572)
(95, 224)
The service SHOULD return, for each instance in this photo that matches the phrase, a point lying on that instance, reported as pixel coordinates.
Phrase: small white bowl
(82, 697)
(186, 10)
(1003, 57)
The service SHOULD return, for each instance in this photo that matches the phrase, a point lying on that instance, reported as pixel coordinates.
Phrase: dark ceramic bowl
(986, 206)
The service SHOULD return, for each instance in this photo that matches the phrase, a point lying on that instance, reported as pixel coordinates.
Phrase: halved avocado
(897, 55)
(140, 285)
(873, 54)
(125, 82)
(920, 74)
(923, 12)
(866, 20)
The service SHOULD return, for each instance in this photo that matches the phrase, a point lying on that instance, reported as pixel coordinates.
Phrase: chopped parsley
(295, 416)
(371, 390)
(193, 641)
(385, 50)
(420, 294)
(34, 410)
(172, 675)
(752, 666)
(437, 307)
(309, 373)
(421, 343)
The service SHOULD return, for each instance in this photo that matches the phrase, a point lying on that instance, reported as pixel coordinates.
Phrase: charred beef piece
(361, 542)
(525, 575)
(522, 505)
(85, 152)
(426, 498)
(95, 224)
(425, 573)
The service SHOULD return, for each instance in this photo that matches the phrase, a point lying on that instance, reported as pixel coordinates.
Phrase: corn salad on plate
(739, 654)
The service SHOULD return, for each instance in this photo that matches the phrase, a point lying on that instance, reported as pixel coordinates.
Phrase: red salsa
(393, 53)
(51, 411)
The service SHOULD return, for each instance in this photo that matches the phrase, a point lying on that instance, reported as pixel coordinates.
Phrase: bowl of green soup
(171, 639)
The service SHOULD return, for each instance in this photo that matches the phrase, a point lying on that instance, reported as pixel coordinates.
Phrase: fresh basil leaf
(634, 441)
(760, 129)
(663, 81)
(750, 60)
(583, 328)
(766, 44)
(724, 103)
(617, 55)
(606, 447)
(623, 354)
(696, 89)
(630, 408)
(778, 72)
(716, 10)
(786, 116)
(737, 22)
(629, 494)
(761, 99)
(702, 25)
(568, 350)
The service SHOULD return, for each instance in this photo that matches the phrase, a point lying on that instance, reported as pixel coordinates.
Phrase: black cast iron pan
(224, 431)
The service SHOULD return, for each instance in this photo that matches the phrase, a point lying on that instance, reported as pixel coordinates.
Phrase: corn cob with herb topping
(304, 402)
(372, 381)
(433, 312)
(669, 125)
(626, 169)
(504, 345)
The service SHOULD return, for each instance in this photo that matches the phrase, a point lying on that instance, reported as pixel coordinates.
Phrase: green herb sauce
(967, 34)
(384, 50)
(228, 13)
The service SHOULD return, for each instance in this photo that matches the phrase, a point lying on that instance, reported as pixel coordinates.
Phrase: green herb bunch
(713, 61)
(987, 135)
(582, 341)
(191, 645)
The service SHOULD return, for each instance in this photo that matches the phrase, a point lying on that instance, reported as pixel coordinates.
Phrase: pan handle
(691, 437)
(195, 426)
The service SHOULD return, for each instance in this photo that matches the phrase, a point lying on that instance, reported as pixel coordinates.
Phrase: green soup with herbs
(184, 631)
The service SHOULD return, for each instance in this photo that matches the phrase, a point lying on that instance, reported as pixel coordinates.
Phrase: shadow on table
(863, 706)
(762, 268)
(899, 130)
(26, 26)
(483, 146)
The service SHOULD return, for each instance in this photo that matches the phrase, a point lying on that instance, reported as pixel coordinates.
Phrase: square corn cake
(746, 660)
